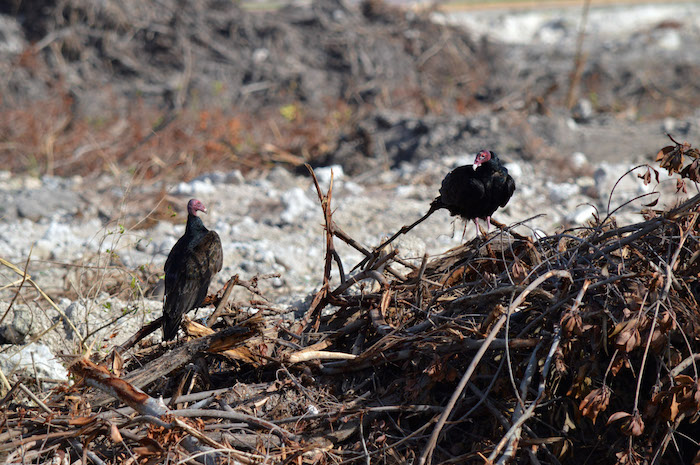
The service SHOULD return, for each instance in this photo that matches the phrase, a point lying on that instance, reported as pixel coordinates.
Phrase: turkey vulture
(470, 191)
(476, 191)
(192, 262)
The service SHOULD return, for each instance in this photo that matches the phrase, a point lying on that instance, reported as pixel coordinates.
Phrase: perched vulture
(192, 262)
(476, 191)
(470, 191)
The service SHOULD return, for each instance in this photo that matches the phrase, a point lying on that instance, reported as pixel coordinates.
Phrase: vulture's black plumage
(470, 191)
(476, 191)
(194, 259)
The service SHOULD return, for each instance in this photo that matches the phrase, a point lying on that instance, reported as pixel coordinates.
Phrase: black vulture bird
(194, 259)
(470, 191)
(476, 191)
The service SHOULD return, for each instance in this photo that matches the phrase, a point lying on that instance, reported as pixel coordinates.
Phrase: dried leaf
(646, 177)
(683, 379)
(658, 339)
(570, 321)
(628, 457)
(633, 426)
(680, 186)
(519, 272)
(621, 361)
(618, 415)
(582, 382)
(652, 203)
(628, 339)
(561, 245)
(114, 433)
(673, 408)
(559, 363)
(671, 159)
(664, 151)
(595, 402)
(618, 328)
(692, 171)
(117, 364)
(667, 322)
(80, 421)
(148, 447)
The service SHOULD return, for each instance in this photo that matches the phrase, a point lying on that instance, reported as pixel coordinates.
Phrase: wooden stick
(224, 299)
(404, 229)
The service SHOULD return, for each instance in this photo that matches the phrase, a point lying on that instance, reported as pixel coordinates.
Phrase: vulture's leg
(476, 223)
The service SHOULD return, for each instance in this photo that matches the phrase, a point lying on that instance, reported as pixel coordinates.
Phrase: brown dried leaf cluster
(673, 157)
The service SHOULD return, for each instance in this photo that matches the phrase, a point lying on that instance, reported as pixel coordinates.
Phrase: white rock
(514, 169)
(353, 188)
(235, 177)
(312, 409)
(216, 177)
(561, 192)
(58, 233)
(323, 175)
(57, 238)
(297, 206)
(583, 110)
(195, 187)
(34, 355)
(538, 234)
(585, 181)
(578, 160)
(552, 32)
(260, 55)
(405, 191)
(670, 40)
(669, 124)
(582, 214)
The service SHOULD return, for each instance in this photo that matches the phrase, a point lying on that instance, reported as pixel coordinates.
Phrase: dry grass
(44, 137)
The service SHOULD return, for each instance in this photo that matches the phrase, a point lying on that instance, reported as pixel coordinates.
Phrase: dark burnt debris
(507, 349)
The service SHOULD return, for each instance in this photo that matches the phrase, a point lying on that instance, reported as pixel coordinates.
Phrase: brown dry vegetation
(115, 87)
(184, 88)
(43, 140)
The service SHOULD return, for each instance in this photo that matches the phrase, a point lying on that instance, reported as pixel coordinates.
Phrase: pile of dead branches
(578, 347)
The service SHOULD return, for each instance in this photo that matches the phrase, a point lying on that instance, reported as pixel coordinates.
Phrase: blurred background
(179, 88)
